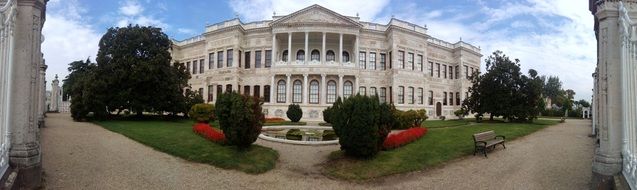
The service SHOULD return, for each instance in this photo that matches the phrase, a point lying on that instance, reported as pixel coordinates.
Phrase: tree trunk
(491, 117)
(139, 113)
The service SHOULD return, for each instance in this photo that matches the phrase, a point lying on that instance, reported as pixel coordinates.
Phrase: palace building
(314, 55)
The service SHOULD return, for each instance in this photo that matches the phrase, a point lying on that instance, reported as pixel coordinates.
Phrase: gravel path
(86, 156)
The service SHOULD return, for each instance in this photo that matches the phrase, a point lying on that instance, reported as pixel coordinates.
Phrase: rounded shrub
(240, 118)
(328, 135)
(294, 134)
(294, 112)
(202, 113)
(356, 122)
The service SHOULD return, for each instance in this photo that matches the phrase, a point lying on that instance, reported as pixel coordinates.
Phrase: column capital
(323, 75)
(288, 75)
(305, 75)
(341, 76)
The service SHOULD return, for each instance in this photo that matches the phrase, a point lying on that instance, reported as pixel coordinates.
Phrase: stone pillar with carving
(24, 154)
(42, 94)
(55, 94)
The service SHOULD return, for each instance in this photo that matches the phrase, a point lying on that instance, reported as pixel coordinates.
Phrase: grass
(178, 139)
(447, 123)
(438, 146)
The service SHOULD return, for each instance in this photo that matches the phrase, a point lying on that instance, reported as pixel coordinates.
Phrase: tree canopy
(133, 72)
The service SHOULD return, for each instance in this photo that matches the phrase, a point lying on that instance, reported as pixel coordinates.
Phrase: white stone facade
(397, 61)
(615, 91)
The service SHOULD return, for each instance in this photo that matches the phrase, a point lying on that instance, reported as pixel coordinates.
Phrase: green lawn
(447, 123)
(178, 139)
(436, 147)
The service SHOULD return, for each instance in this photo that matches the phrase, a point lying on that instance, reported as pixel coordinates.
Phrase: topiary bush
(328, 135)
(240, 118)
(329, 111)
(294, 134)
(294, 112)
(356, 122)
(202, 113)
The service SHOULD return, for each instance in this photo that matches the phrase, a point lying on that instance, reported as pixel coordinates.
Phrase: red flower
(404, 137)
(274, 120)
(208, 132)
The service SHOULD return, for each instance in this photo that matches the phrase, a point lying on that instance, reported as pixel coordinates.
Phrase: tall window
(438, 70)
(246, 90)
(372, 91)
(451, 98)
(210, 89)
(194, 67)
(280, 92)
(444, 70)
(444, 101)
(450, 72)
(410, 61)
(390, 66)
(345, 56)
(268, 58)
(257, 91)
(431, 97)
(431, 68)
(457, 98)
(457, 73)
(419, 63)
(383, 95)
(362, 91)
(314, 92)
(284, 56)
(257, 59)
(300, 55)
(410, 95)
(240, 53)
(266, 93)
(247, 55)
(201, 65)
(330, 56)
(420, 96)
(201, 92)
(361, 60)
(229, 58)
(188, 66)
(401, 95)
(372, 61)
(401, 59)
(383, 63)
(315, 56)
(220, 59)
(228, 88)
(347, 89)
(219, 90)
(466, 72)
(211, 60)
(331, 92)
(297, 92)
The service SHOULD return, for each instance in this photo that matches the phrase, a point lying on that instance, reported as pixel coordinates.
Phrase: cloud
(131, 8)
(367, 9)
(186, 31)
(68, 37)
(131, 12)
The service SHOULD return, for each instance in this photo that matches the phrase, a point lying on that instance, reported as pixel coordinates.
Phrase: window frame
(281, 91)
(314, 92)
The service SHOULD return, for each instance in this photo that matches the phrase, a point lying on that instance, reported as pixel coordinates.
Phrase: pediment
(316, 14)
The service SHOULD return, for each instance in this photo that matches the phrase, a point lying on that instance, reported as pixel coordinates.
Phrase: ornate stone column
(274, 57)
(272, 90)
(340, 48)
(323, 53)
(24, 153)
(290, 48)
(355, 54)
(340, 86)
(307, 52)
(323, 90)
(42, 94)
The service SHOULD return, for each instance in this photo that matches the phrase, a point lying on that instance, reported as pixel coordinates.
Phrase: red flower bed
(404, 137)
(274, 120)
(208, 132)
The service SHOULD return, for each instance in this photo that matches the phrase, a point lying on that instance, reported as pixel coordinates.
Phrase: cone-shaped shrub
(240, 118)
(294, 112)
(356, 122)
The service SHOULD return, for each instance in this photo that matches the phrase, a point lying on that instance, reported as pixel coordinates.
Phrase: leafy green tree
(552, 88)
(134, 63)
(584, 103)
(86, 90)
(240, 117)
(357, 123)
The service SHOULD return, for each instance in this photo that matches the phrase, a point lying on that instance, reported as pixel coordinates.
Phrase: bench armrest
(501, 136)
(481, 142)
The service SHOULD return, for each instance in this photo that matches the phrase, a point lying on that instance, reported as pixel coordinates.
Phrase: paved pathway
(86, 156)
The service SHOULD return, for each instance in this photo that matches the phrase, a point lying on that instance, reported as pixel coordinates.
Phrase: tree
(294, 112)
(584, 103)
(86, 90)
(504, 91)
(240, 117)
(134, 62)
(357, 123)
(552, 88)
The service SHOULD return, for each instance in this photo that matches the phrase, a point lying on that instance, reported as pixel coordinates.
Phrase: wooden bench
(487, 139)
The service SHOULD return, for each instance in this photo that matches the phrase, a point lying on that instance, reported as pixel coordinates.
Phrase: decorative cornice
(315, 6)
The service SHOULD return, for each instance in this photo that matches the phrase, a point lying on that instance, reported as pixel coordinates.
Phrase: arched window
(345, 56)
(314, 92)
(315, 56)
(401, 94)
(300, 55)
(372, 91)
(297, 94)
(331, 92)
(330, 55)
(280, 92)
(347, 89)
(284, 56)
(383, 95)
